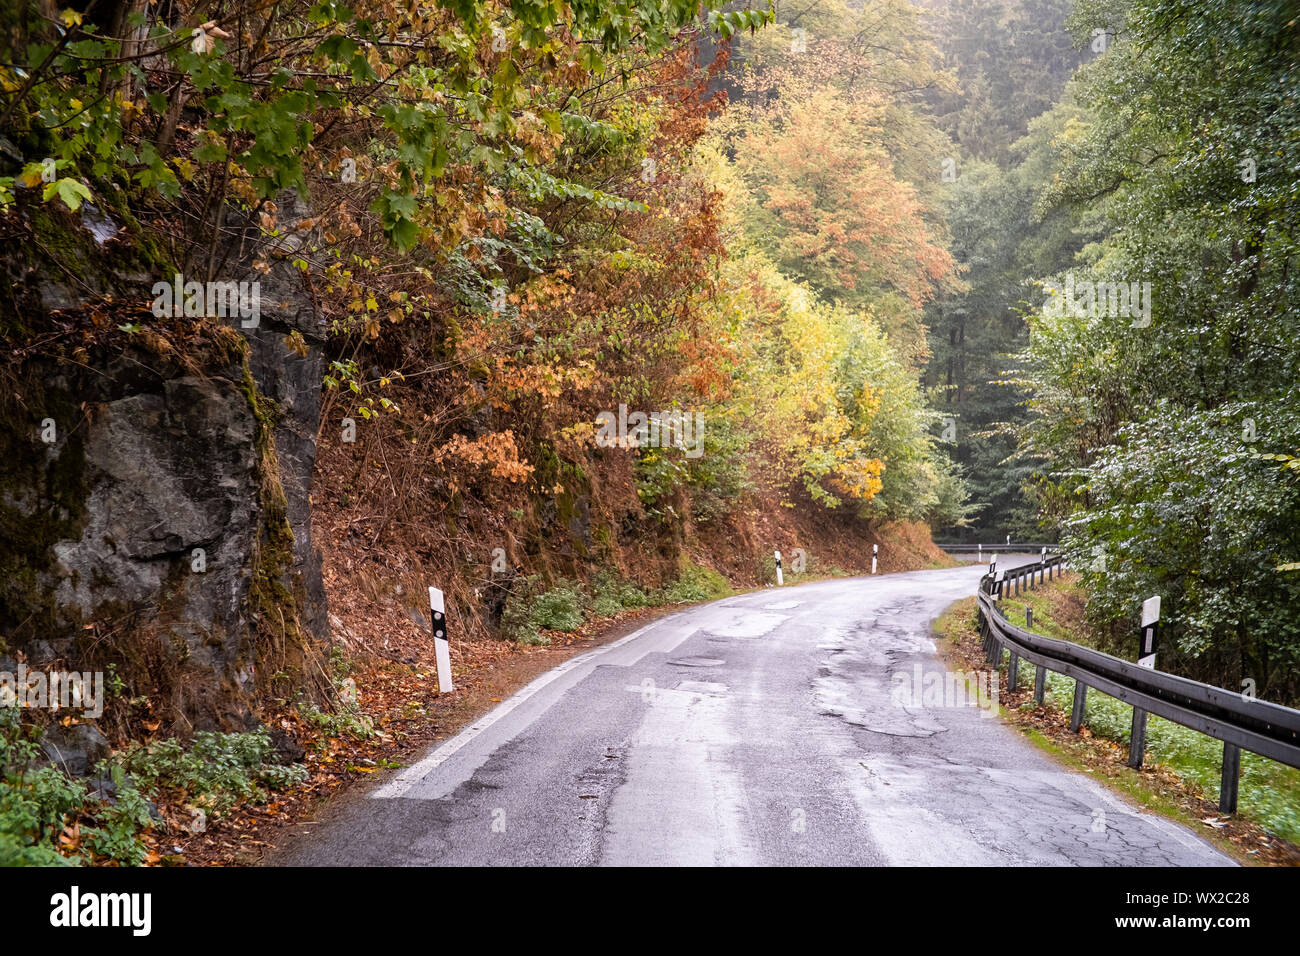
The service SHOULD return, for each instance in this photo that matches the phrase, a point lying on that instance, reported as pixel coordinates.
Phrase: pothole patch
(702, 687)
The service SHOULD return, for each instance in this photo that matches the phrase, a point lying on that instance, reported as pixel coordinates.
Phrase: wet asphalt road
(775, 728)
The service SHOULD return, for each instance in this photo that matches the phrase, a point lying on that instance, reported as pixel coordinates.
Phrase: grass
(1269, 792)
(695, 582)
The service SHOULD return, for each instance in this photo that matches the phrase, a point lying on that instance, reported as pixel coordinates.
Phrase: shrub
(38, 802)
(530, 608)
(218, 770)
(559, 609)
(696, 583)
(611, 594)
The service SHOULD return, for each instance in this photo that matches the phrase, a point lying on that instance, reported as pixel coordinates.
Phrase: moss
(30, 528)
(276, 593)
(546, 467)
(453, 337)
(63, 248)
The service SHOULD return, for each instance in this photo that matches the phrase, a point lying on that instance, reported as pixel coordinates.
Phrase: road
(772, 728)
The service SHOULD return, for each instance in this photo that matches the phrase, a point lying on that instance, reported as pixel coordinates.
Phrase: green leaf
(72, 191)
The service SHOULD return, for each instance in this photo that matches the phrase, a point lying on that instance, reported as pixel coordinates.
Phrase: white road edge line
(400, 784)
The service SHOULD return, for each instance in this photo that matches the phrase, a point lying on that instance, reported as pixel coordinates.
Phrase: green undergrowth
(344, 716)
(564, 605)
(50, 819)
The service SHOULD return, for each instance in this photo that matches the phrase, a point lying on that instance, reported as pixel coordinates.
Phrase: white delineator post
(441, 648)
(875, 549)
(979, 552)
(780, 578)
(1150, 621)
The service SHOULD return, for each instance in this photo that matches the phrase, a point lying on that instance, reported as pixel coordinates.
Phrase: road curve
(772, 728)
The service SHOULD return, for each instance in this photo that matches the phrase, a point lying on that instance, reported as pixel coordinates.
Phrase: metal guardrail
(994, 548)
(1241, 722)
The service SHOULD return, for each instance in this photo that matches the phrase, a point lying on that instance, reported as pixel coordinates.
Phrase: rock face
(76, 749)
(154, 499)
(293, 382)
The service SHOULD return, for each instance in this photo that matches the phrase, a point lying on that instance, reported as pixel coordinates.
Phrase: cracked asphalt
(793, 726)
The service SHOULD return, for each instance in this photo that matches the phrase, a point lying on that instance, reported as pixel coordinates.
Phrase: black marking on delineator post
(441, 644)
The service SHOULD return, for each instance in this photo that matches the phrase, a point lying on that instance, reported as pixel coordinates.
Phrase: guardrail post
(1080, 709)
(1040, 684)
(1231, 776)
(1013, 672)
(1137, 743)
(1146, 658)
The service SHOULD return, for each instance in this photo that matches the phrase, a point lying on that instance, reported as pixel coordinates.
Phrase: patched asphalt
(792, 726)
